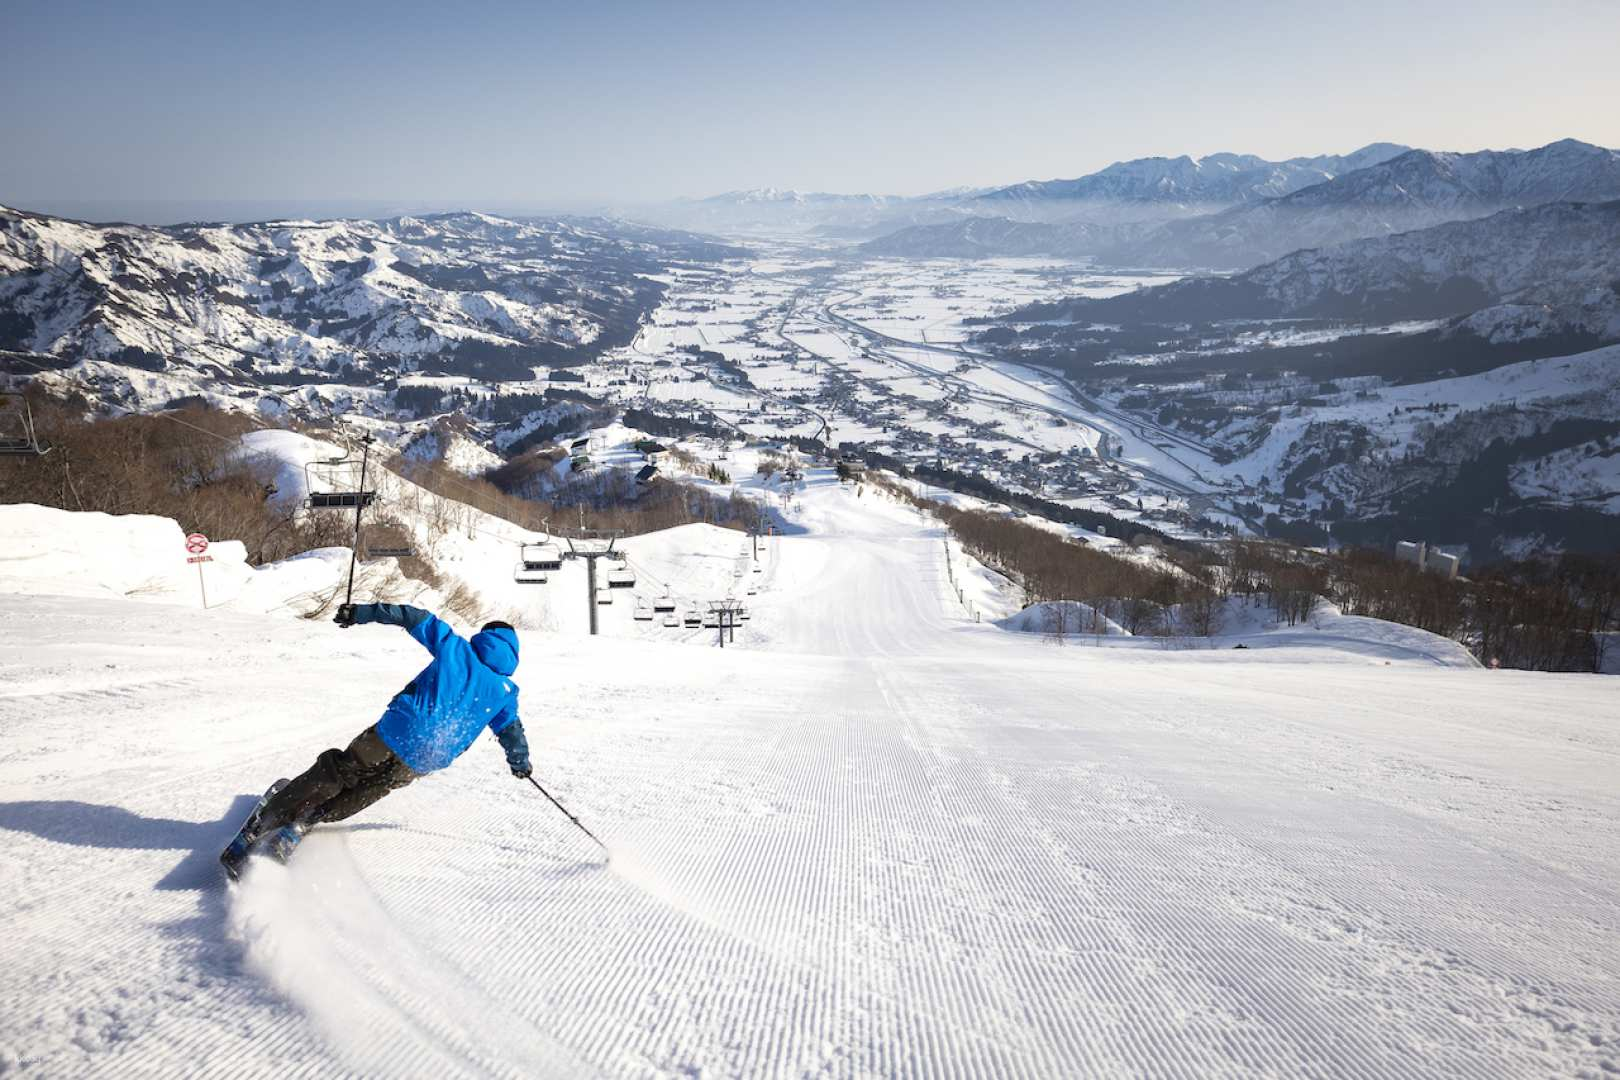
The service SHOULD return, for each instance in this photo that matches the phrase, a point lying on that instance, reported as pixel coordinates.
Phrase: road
(876, 839)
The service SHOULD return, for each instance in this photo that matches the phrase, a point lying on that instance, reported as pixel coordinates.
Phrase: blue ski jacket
(466, 688)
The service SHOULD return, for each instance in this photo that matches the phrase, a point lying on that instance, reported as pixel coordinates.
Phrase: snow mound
(1250, 622)
(51, 552)
(284, 454)
(1074, 616)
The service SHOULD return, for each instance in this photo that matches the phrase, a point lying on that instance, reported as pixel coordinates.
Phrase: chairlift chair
(622, 578)
(334, 484)
(664, 605)
(17, 435)
(643, 613)
(603, 596)
(711, 621)
(672, 620)
(693, 619)
(542, 557)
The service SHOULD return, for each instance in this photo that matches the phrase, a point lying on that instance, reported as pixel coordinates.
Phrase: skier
(427, 725)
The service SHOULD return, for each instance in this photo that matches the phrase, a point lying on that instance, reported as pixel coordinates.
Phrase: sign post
(196, 544)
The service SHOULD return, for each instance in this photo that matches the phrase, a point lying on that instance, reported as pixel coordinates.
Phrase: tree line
(1554, 613)
(189, 464)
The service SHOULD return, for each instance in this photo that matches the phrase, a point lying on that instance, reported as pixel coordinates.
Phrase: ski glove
(344, 616)
(512, 740)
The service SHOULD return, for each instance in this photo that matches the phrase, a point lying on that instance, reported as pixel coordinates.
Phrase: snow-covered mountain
(1414, 190)
(302, 301)
(1142, 190)
(1225, 212)
(1218, 179)
(1557, 265)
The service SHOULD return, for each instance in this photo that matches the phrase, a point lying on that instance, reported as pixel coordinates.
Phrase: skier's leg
(333, 771)
(380, 771)
(351, 801)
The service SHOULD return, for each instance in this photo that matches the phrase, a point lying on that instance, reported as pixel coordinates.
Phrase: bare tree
(1059, 617)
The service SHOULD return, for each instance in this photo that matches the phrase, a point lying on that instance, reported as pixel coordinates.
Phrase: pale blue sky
(581, 104)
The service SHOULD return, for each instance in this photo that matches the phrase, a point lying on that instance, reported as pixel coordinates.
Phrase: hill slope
(876, 838)
(1412, 191)
(1561, 260)
(302, 301)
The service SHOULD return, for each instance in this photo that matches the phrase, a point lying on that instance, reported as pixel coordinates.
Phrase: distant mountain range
(1548, 269)
(300, 302)
(1111, 221)
(1221, 179)
(1412, 191)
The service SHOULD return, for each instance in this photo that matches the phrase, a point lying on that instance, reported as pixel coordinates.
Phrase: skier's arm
(424, 626)
(508, 731)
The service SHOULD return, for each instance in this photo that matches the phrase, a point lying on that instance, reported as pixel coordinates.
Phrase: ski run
(877, 837)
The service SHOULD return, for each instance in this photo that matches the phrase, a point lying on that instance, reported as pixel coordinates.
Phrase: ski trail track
(875, 839)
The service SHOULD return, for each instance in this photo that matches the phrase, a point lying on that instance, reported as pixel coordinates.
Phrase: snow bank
(284, 454)
(1077, 618)
(53, 552)
(138, 556)
(1250, 622)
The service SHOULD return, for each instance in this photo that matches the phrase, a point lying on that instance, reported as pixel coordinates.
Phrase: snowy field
(872, 353)
(877, 838)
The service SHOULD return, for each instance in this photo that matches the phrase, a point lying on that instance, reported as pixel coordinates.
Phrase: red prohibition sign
(196, 543)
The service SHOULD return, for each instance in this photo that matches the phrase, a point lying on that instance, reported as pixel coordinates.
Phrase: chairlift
(672, 620)
(17, 435)
(541, 557)
(664, 604)
(643, 613)
(604, 597)
(753, 592)
(711, 621)
(622, 578)
(693, 619)
(334, 484)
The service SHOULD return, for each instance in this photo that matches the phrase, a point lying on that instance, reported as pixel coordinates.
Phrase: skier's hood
(497, 649)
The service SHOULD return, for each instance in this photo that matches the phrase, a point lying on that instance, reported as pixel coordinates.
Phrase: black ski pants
(340, 784)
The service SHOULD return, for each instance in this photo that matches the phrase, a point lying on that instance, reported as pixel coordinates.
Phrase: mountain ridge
(1413, 190)
(1218, 177)
(460, 292)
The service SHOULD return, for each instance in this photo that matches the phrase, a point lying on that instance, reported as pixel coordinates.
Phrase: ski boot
(242, 844)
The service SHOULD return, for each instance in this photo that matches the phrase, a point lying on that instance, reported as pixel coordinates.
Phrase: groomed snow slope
(874, 839)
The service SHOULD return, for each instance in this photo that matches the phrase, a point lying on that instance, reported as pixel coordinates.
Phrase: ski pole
(570, 817)
(359, 508)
